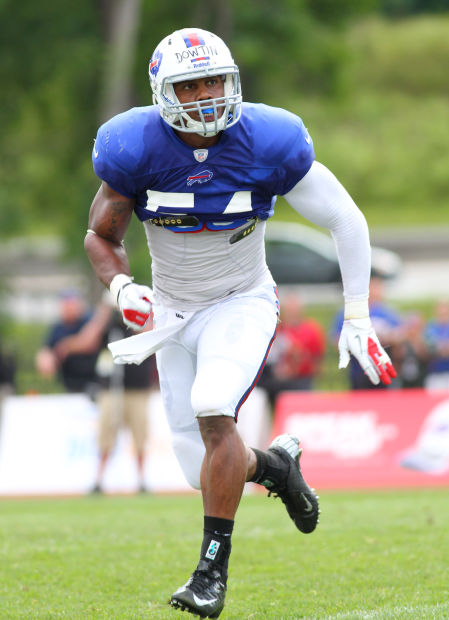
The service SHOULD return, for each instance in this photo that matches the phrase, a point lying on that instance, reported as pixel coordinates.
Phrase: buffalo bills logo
(200, 177)
(155, 63)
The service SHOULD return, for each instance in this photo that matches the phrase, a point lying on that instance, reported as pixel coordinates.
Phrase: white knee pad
(189, 450)
(218, 387)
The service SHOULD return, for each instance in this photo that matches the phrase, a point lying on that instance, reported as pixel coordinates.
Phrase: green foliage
(374, 555)
(407, 7)
(408, 56)
(384, 137)
(297, 48)
(49, 87)
(333, 12)
(372, 91)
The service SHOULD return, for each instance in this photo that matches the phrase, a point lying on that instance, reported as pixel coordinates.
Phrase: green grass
(375, 555)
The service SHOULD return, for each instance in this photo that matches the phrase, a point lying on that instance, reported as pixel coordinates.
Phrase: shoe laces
(203, 576)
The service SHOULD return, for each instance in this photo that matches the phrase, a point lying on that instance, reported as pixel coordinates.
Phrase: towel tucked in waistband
(135, 349)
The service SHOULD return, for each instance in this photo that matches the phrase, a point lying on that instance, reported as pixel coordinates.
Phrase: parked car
(298, 254)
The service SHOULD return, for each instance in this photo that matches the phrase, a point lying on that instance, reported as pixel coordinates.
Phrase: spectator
(386, 323)
(75, 370)
(123, 397)
(123, 402)
(437, 337)
(411, 354)
(7, 375)
(7, 372)
(297, 353)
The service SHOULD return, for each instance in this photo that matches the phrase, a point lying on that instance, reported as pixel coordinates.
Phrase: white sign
(48, 446)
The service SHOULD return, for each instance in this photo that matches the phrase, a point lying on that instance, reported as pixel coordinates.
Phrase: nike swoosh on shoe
(201, 602)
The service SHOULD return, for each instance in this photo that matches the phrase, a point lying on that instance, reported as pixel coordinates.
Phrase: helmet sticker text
(195, 54)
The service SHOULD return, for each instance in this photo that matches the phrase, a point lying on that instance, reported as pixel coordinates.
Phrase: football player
(201, 169)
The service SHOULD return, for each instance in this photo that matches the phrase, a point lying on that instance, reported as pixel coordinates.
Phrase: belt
(191, 220)
(175, 220)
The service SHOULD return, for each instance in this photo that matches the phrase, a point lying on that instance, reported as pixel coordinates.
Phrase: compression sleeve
(322, 199)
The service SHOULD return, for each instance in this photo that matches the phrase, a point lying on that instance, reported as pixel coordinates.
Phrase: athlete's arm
(322, 199)
(109, 218)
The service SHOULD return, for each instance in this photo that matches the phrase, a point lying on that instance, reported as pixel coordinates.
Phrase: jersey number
(239, 203)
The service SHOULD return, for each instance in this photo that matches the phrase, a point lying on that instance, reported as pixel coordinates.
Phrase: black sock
(270, 469)
(216, 545)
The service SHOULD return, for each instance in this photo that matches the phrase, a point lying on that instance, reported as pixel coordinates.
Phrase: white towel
(135, 349)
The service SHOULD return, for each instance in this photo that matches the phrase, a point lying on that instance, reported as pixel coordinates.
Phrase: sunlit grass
(374, 555)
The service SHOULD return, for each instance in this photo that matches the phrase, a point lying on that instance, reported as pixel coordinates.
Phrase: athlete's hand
(359, 339)
(134, 301)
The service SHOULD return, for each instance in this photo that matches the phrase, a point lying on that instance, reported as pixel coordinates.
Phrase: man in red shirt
(297, 353)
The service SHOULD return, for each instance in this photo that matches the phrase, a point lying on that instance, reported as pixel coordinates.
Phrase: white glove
(359, 339)
(134, 301)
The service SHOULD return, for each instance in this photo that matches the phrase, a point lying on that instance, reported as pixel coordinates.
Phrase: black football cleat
(299, 499)
(204, 593)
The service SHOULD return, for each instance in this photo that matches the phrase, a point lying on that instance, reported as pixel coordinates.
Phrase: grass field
(374, 555)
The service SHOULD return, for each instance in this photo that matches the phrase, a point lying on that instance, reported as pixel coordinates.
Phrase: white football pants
(210, 367)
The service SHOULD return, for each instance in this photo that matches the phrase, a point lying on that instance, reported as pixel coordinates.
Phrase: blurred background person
(386, 322)
(123, 402)
(411, 353)
(124, 389)
(7, 375)
(75, 370)
(297, 353)
(7, 372)
(437, 338)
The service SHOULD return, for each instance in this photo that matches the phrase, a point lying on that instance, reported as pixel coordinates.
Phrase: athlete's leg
(176, 368)
(231, 352)
(225, 467)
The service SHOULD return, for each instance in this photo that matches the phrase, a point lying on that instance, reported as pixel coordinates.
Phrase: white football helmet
(188, 54)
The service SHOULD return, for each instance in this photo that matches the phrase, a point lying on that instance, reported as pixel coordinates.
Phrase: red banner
(373, 438)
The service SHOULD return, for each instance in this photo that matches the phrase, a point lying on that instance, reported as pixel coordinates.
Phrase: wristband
(356, 309)
(117, 283)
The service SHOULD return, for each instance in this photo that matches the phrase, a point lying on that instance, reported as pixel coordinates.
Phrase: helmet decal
(155, 63)
(198, 52)
(193, 40)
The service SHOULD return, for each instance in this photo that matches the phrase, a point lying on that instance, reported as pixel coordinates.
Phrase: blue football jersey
(264, 155)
